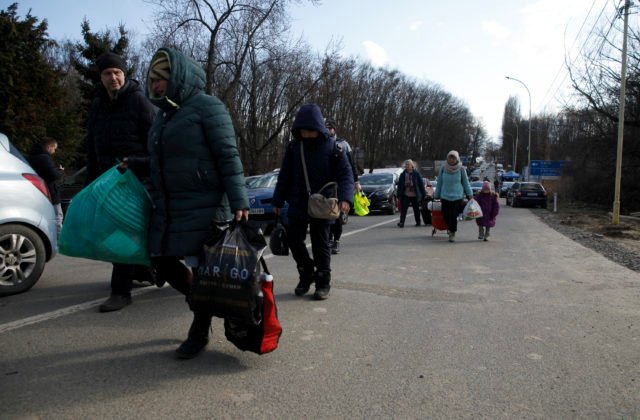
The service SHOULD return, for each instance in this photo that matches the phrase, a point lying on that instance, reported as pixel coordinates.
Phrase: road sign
(549, 168)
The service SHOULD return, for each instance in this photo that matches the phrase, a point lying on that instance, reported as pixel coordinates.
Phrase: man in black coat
(336, 228)
(41, 160)
(119, 120)
(325, 162)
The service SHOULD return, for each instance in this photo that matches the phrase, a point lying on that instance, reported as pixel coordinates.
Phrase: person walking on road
(197, 178)
(118, 123)
(488, 201)
(336, 228)
(325, 162)
(41, 160)
(411, 192)
(453, 186)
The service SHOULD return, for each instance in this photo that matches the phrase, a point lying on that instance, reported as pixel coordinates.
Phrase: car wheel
(22, 259)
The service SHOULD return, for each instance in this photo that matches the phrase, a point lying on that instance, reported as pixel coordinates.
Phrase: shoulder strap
(304, 168)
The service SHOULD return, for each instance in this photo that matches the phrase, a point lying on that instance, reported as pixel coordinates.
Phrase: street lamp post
(528, 148)
(515, 148)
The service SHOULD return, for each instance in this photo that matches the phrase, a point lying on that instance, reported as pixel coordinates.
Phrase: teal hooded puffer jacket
(196, 173)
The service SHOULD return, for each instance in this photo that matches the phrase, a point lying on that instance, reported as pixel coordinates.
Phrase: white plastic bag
(472, 210)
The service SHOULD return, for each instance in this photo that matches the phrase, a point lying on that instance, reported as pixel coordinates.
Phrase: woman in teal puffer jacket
(196, 174)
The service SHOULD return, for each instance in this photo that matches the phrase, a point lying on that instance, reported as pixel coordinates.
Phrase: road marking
(14, 325)
(48, 316)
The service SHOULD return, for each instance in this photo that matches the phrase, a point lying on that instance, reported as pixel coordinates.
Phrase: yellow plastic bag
(360, 204)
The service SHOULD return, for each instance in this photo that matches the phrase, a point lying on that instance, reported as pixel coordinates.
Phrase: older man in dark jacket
(325, 162)
(119, 120)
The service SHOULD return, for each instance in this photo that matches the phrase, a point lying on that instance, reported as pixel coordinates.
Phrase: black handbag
(278, 240)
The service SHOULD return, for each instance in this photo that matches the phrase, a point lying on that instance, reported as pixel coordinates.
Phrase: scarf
(452, 168)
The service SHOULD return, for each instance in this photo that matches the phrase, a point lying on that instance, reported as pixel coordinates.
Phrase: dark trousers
(336, 230)
(171, 270)
(319, 231)
(122, 276)
(179, 276)
(450, 212)
(404, 206)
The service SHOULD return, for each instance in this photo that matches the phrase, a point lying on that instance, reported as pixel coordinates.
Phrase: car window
(15, 152)
(531, 187)
(265, 181)
(376, 179)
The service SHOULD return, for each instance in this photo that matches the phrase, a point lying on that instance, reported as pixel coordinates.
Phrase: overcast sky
(466, 46)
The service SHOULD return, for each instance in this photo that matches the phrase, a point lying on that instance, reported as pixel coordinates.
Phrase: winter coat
(118, 128)
(453, 186)
(346, 147)
(196, 174)
(42, 162)
(490, 208)
(416, 180)
(324, 160)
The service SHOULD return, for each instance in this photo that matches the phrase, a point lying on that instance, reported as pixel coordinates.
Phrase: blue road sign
(549, 167)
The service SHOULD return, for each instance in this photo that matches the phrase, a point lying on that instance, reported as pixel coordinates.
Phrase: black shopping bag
(258, 338)
(226, 283)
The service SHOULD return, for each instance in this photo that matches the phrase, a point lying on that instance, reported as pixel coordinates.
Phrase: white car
(28, 232)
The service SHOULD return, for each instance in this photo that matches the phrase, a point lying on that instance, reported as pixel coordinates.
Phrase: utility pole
(529, 147)
(515, 147)
(623, 84)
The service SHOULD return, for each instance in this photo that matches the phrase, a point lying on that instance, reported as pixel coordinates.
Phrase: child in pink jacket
(490, 206)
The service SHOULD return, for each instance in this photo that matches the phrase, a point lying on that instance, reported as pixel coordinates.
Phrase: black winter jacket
(325, 163)
(44, 165)
(118, 128)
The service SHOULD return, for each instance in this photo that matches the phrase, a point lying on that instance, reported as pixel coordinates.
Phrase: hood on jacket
(309, 117)
(186, 79)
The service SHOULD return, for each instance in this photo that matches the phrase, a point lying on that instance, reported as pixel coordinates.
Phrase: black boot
(306, 280)
(335, 247)
(198, 337)
(323, 278)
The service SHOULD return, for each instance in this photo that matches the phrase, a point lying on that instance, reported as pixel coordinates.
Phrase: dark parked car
(527, 194)
(260, 194)
(28, 231)
(381, 190)
(505, 187)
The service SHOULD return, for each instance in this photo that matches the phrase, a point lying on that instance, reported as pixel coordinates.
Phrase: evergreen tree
(30, 88)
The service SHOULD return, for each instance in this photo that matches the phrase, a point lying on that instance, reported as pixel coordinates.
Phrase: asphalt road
(528, 325)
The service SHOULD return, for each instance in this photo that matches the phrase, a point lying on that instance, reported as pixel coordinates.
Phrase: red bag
(258, 338)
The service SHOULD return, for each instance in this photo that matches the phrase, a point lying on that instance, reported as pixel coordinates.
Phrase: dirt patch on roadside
(594, 227)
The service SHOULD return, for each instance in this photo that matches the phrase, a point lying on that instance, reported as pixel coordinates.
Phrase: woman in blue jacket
(453, 186)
